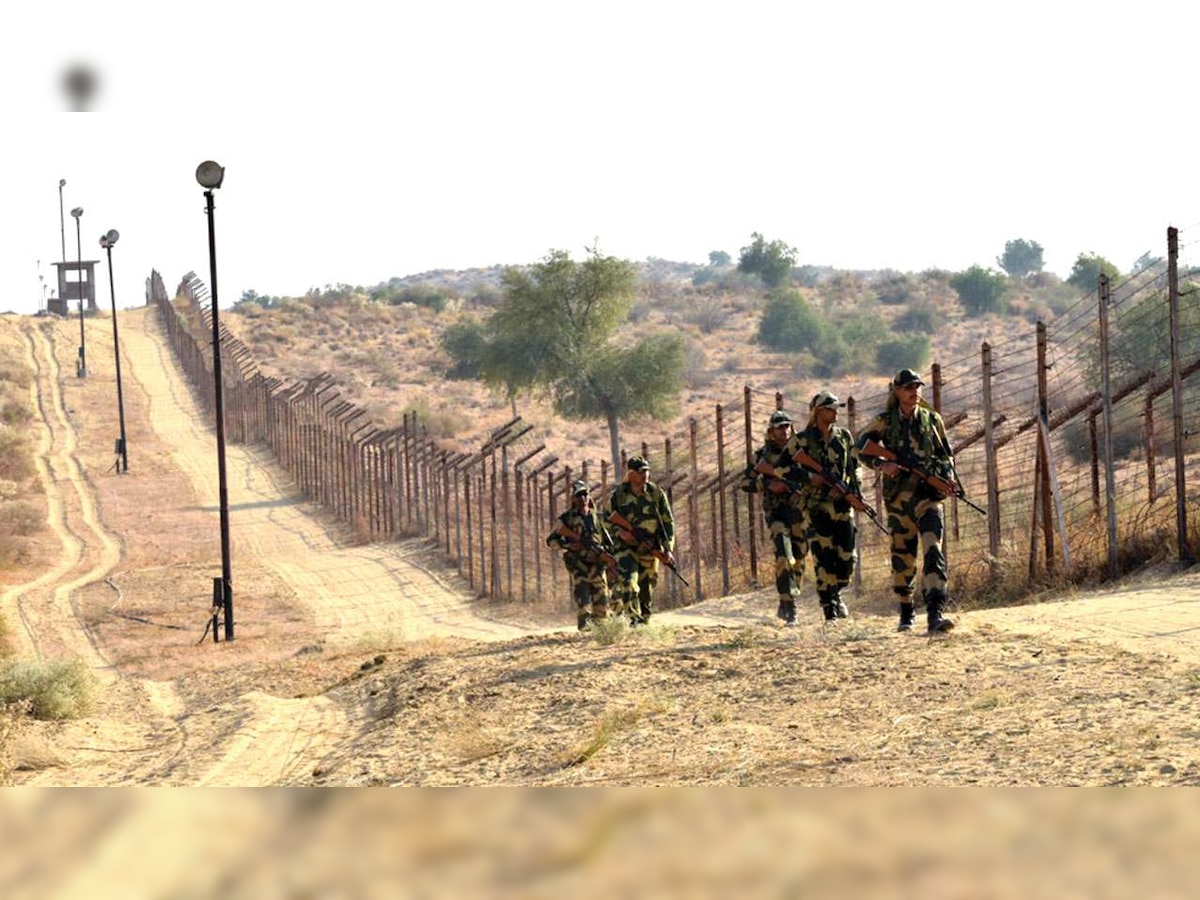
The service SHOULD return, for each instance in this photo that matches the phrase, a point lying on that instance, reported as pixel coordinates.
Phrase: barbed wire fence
(1073, 437)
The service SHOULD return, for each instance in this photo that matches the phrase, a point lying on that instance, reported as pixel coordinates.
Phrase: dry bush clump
(55, 689)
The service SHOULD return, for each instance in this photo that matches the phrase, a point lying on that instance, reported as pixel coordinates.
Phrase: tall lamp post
(62, 222)
(106, 241)
(211, 175)
(81, 363)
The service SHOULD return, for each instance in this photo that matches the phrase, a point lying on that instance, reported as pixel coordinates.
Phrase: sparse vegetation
(57, 689)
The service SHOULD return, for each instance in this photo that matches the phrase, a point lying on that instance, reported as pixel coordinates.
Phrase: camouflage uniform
(831, 531)
(784, 514)
(914, 508)
(637, 567)
(587, 568)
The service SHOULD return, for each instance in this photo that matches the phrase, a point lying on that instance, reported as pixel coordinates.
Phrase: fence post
(1185, 549)
(751, 523)
(989, 449)
(723, 533)
(694, 511)
(1110, 487)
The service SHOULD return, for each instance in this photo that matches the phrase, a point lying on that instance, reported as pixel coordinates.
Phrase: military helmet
(779, 417)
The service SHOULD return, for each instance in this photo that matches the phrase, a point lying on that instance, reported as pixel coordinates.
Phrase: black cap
(578, 487)
(779, 417)
(637, 464)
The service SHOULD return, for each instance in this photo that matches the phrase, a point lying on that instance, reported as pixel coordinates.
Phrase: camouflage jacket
(781, 458)
(922, 437)
(837, 455)
(587, 525)
(651, 512)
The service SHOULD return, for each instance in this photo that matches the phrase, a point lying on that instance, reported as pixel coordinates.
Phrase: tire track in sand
(377, 593)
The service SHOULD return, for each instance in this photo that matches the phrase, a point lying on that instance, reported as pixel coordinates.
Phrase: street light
(81, 363)
(210, 175)
(62, 222)
(106, 241)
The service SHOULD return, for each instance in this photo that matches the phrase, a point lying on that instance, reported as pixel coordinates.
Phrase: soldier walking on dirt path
(587, 553)
(826, 452)
(773, 474)
(640, 515)
(907, 443)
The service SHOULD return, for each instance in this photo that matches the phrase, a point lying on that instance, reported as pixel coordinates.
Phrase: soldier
(826, 451)
(773, 474)
(907, 442)
(587, 553)
(640, 514)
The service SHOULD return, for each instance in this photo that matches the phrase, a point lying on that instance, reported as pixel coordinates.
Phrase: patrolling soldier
(826, 452)
(587, 553)
(640, 515)
(907, 443)
(773, 474)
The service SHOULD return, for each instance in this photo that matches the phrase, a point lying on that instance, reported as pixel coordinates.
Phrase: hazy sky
(367, 140)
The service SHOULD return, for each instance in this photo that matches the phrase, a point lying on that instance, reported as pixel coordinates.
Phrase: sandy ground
(372, 664)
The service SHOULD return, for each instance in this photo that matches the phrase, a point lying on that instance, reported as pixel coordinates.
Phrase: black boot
(935, 602)
(829, 603)
(838, 604)
(906, 615)
(787, 612)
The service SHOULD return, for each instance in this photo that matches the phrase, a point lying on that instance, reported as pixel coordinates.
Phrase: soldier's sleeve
(751, 482)
(556, 541)
(853, 472)
(943, 455)
(873, 432)
(668, 519)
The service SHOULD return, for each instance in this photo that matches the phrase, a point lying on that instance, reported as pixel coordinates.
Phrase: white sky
(364, 140)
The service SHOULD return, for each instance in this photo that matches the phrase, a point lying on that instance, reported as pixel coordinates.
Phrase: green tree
(1085, 274)
(466, 344)
(790, 324)
(980, 290)
(719, 259)
(772, 262)
(907, 352)
(1021, 258)
(555, 330)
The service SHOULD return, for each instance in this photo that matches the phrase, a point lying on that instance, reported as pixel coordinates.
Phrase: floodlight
(210, 174)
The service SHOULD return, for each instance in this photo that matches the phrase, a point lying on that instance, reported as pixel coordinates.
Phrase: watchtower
(76, 281)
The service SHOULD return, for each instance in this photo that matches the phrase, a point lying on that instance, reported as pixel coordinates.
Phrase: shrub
(19, 517)
(909, 352)
(59, 689)
(789, 323)
(16, 462)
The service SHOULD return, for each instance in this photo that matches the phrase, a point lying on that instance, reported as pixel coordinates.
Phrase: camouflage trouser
(831, 537)
(915, 520)
(589, 587)
(637, 576)
(788, 528)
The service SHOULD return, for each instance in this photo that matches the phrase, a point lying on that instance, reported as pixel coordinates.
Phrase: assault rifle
(588, 541)
(839, 486)
(948, 487)
(768, 471)
(643, 537)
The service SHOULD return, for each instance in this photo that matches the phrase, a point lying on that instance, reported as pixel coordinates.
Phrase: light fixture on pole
(62, 222)
(81, 363)
(210, 175)
(106, 241)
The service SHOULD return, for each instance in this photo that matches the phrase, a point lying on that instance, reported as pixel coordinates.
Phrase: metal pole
(82, 368)
(124, 450)
(218, 401)
(62, 222)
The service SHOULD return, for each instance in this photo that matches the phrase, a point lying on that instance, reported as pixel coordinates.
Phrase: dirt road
(352, 596)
